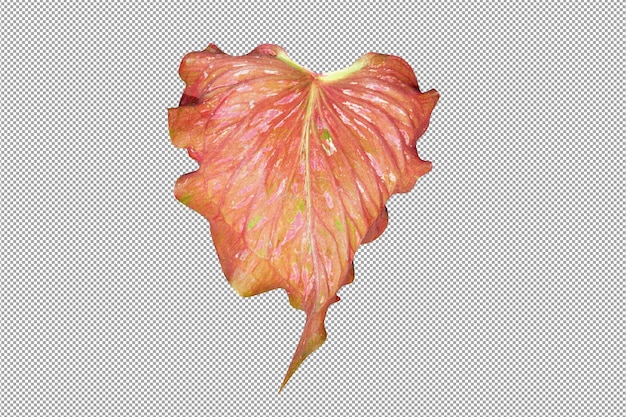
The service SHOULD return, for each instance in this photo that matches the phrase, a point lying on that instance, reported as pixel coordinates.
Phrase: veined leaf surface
(295, 167)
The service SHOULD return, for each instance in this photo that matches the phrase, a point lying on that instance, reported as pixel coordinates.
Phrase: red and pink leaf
(295, 167)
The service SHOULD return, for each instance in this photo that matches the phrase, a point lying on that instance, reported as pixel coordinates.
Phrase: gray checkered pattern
(497, 289)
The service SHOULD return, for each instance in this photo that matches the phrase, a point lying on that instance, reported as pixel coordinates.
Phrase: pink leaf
(295, 167)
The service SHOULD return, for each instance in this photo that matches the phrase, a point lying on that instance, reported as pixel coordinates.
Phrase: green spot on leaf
(185, 199)
(253, 221)
(301, 205)
(339, 226)
(326, 135)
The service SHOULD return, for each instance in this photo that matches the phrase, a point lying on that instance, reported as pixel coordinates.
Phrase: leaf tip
(214, 49)
(430, 99)
(313, 336)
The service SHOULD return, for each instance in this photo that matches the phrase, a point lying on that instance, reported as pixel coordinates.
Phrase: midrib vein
(306, 132)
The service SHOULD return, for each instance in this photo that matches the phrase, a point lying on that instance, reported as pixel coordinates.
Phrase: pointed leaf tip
(430, 99)
(313, 336)
(213, 48)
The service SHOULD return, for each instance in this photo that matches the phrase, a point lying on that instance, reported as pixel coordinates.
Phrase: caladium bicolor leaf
(295, 167)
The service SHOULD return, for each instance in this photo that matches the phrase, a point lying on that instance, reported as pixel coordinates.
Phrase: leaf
(295, 167)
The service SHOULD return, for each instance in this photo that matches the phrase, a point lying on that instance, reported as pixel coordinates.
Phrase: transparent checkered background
(497, 289)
